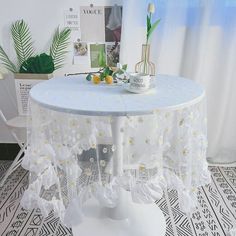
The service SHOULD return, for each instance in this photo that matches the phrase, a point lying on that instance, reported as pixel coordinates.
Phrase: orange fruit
(109, 79)
(96, 79)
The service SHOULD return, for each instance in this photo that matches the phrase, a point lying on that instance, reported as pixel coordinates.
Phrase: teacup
(139, 81)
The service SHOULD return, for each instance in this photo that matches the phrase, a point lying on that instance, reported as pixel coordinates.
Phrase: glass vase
(145, 66)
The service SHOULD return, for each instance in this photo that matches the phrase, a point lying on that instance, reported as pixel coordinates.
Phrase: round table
(78, 96)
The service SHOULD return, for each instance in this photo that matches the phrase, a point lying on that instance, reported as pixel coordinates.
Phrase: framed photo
(97, 55)
(113, 23)
(80, 49)
(113, 54)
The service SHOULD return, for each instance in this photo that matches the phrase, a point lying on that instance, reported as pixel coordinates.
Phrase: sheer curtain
(197, 40)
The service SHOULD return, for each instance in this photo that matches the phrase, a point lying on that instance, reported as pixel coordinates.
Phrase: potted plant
(28, 61)
(145, 66)
(31, 67)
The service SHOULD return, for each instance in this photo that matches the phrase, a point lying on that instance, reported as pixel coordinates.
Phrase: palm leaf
(6, 61)
(59, 45)
(23, 43)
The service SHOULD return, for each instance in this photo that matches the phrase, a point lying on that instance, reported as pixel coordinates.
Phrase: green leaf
(106, 71)
(102, 76)
(110, 72)
(40, 64)
(58, 49)
(153, 28)
(149, 25)
(23, 42)
(118, 72)
(124, 67)
(114, 74)
(8, 64)
(89, 77)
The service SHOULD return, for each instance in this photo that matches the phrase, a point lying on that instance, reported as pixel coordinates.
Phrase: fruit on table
(109, 79)
(96, 79)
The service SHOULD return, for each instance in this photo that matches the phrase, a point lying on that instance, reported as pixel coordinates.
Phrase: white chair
(13, 124)
(19, 122)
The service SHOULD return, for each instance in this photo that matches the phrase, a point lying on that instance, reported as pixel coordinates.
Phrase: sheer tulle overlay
(70, 159)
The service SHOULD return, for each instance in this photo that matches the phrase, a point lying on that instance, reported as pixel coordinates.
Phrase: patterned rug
(215, 216)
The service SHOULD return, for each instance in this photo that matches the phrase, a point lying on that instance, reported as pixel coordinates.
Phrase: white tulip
(151, 8)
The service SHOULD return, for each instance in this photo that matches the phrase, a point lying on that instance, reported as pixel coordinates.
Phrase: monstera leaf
(40, 64)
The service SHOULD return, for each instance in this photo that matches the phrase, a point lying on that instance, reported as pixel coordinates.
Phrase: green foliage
(151, 27)
(102, 76)
(89, 77)
(6, 61)
(105, 71)
(59, 45)
(41, 64)
(27, 61)
(124, 67)
(23, 42)
(119, 72)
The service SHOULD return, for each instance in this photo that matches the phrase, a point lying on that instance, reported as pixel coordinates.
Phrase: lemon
(96, 79)
(109, 79)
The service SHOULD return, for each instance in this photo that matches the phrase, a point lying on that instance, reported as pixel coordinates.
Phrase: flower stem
(145, 58)
(145, 53)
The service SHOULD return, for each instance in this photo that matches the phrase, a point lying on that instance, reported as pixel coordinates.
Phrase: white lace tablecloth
(70, 152)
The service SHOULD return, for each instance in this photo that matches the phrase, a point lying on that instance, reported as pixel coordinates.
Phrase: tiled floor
(215, 216)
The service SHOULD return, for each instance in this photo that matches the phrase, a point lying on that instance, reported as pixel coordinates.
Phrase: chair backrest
(3, 117)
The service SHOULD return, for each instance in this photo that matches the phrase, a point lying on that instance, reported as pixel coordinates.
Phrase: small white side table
(77, 96)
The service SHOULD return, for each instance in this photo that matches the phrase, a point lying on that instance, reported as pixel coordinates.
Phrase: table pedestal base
(139, 220)
(218, 160)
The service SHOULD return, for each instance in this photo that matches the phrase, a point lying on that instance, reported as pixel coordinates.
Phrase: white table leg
(127, 218)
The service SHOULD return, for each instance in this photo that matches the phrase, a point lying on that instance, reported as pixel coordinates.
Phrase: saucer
(127, 87)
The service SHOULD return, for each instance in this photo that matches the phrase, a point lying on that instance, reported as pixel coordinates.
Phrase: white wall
(43, 16)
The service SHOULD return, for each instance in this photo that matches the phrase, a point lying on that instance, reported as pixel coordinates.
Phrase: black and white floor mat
(215, 216)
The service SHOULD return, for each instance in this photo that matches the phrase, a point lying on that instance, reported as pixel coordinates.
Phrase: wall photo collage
(99, 34)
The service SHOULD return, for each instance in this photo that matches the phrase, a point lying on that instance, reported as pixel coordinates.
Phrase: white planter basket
(23, 84)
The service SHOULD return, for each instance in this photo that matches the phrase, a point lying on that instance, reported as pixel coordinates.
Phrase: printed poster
(23, 87)
(71, 19)
(92, 23)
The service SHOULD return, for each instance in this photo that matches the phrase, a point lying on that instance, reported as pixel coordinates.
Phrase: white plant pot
(23, 84)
